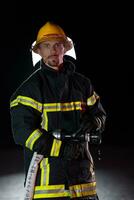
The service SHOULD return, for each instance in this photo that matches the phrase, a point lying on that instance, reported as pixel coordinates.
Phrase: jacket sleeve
(26, 116)
(94, 113)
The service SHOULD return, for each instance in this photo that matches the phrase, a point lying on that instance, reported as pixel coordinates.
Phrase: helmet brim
(67, 43)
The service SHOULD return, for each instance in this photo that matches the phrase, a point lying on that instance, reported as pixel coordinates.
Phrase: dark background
(102, 34)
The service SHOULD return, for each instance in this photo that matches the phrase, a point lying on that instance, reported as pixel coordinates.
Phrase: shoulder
(29, 85)
(83, 83)
(81, 78)
(31, 81)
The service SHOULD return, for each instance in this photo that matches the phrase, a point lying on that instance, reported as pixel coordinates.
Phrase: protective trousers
(62, 179)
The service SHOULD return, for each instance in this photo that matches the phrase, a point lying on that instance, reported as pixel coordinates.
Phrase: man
(51, 113)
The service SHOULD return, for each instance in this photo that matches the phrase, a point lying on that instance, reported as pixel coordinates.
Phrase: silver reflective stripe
(26, 101)
(45, 169)
(50, 191)
(32, 138)
(91, 100)
(55, 150)
(44, 123)
(83, 190)
(51, 107)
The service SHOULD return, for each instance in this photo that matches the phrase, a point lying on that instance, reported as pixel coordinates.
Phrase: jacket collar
(67, 68)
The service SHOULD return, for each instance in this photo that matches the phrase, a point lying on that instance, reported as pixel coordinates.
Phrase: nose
(53, 49)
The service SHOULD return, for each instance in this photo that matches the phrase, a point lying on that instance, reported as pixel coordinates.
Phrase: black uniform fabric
(50, 100)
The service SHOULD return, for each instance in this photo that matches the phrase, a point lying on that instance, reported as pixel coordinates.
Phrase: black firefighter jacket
(50, 100)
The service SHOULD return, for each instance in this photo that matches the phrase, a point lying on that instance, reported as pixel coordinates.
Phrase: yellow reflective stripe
(47, 174)
(49, 107)
(54, 107)
(50, 187)
(32, 138)
(45, 171)
(50, 191)
(44, 123)
(27, 101)
(91, 100)
(81, 190)
(56, 148)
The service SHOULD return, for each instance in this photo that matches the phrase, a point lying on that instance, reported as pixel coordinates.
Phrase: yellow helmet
(51, 31)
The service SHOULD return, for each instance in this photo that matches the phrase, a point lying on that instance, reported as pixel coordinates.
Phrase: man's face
(52, 52)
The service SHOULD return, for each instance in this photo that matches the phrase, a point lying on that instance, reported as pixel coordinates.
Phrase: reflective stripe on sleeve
(32, 138)
(56, 148)
(48, 107)
(91, 100)
(27, 101)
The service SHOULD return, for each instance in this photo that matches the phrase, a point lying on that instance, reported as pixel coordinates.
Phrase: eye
(46, 45)
(58, 45)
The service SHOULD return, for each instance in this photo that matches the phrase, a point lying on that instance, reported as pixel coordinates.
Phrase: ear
(64, 51)
(38, 51)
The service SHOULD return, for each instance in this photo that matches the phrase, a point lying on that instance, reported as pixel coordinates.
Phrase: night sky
(102, 35)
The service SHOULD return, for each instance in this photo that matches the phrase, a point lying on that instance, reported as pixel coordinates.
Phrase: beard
(54, 61)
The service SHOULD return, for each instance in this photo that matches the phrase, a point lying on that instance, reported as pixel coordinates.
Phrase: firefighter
(57, 99)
